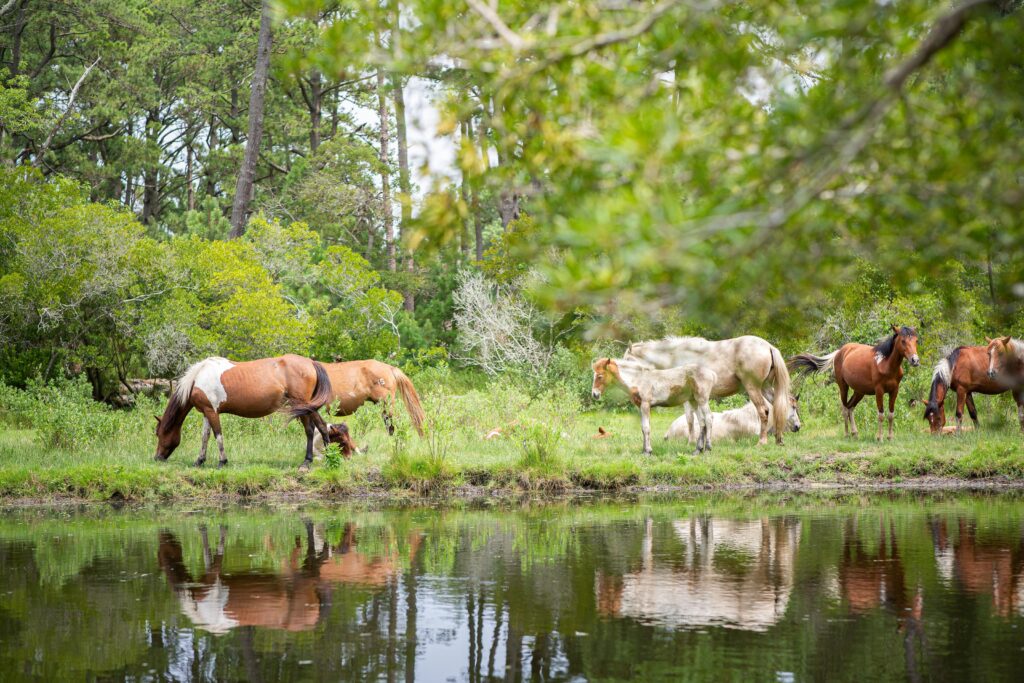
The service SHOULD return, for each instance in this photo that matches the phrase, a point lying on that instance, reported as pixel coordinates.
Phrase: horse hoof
(221, 464)
(303, 468)
(198, 463)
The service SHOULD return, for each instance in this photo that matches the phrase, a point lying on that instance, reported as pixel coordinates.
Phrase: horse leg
(1019, 398)
(892, 410)
(880, 402)
(707, 421)
(972, 410)
(206, 440)
(754, 392)
(844, 409)
(961, 399)
(849, 409)
(214, 419)
(645, 425)
(307, 424)
(690, 421)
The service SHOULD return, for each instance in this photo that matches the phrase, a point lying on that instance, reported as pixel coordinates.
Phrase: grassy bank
(544, 445)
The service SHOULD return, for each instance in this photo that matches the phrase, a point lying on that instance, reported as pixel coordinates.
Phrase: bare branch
(64, 116)
(502, 29)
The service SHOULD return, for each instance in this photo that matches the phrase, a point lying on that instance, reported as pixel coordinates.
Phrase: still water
(775, 588)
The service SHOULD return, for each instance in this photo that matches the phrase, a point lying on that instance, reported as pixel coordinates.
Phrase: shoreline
(472, 493)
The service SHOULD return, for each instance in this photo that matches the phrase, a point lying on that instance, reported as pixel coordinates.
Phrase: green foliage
(332, 456)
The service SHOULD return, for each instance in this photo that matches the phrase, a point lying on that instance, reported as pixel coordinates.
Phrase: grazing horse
(649, 387)
(964, 371)
(252, 389)
(866, 369)
(734, 424)
(746, 362)
(1006, 366)
(355, 382)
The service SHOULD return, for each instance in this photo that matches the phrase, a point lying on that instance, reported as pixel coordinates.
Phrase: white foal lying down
(736, 423)
(689, 384)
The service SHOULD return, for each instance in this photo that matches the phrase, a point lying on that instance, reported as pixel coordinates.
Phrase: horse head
(793, 421)
(998, 351)
(906, 342)
(602, 367)
(167, 435)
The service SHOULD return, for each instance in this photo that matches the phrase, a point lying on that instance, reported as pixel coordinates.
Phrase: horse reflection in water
(733, 573)
(294, 599)
(993, 566)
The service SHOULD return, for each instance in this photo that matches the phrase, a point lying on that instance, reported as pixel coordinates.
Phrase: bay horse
(650, 387)
(866, 370)
(1006, 366)
(251, 389)
(355, 382)
(965, 372)
(746, 362)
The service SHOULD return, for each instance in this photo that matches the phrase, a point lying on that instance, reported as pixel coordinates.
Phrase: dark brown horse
(866, 370)
(252, 389)
(965, 372)
(355, 382)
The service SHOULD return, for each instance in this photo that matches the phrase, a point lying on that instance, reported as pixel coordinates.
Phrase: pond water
(783, 587)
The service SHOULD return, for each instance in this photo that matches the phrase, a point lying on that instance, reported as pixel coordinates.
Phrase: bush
(62, 412)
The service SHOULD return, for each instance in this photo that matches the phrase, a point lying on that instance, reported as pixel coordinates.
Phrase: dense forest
(230, 177)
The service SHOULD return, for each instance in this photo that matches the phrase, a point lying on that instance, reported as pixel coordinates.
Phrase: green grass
(544, 446)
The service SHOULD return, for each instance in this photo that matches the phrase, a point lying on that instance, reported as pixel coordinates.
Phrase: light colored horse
(357, 381)
(1006, 366)
(745, 363)
(251, 389)
(650, 387)
(736, 423)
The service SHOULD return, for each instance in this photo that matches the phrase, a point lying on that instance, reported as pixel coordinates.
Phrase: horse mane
(884, 348)
(942, 375)
(179, 402)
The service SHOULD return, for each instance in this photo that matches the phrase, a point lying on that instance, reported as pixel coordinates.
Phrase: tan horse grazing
(746, 363)
(690, 384)
(1006, 366)
(964, 371)
(355, 382)
(252, 389)
(866, 369)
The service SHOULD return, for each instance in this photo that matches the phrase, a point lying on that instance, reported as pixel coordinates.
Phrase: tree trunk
(19, 29)
(315, 108)
(464, 240)
(212, 142)
(150, 175)
(404, 184)
(247, 173)
(385, 181)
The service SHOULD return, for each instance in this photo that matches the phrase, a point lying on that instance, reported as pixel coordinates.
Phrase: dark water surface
(778, 588)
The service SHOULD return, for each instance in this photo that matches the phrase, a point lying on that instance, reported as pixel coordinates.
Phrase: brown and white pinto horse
(965, 372)
(251, 389)
(355, 382)
(866, 369)
(1006, 367)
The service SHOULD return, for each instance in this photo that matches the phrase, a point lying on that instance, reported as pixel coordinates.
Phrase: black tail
(322, 394)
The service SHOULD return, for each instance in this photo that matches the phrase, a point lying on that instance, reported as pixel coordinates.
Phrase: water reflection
(855, 588)
(294, 598)
(732, 573)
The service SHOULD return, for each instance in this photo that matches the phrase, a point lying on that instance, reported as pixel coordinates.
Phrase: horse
(339, 434)
(965, 371)
(650, 387)
(866, 369)
(355, 382)
(1006, 366)
(251, 389)
(742, 362)
(733, 424)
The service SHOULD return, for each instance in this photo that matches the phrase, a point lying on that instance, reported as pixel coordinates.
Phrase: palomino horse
(1006, 366)
(742, 362)
(355, 382)
(866, 369)
(252, 389)
(649, 387)
(736, 423)
(965, 371)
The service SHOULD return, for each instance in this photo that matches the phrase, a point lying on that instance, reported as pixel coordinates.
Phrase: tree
(257, 96)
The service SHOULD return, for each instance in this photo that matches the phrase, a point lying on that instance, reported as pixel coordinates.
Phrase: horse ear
(1007, 339)
(895, 329)
(797, 397)
(987, 340)
(157, 418)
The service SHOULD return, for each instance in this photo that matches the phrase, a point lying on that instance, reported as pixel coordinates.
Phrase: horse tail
(809, 364)
(942, 375)
(411, 399)
(322, 394)
(782, 385)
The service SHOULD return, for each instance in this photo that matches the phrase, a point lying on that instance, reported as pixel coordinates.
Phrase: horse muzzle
(991, 374)
(595, 394)
(915, 361)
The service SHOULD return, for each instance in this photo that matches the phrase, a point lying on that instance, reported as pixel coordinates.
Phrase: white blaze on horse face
(208, 380)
